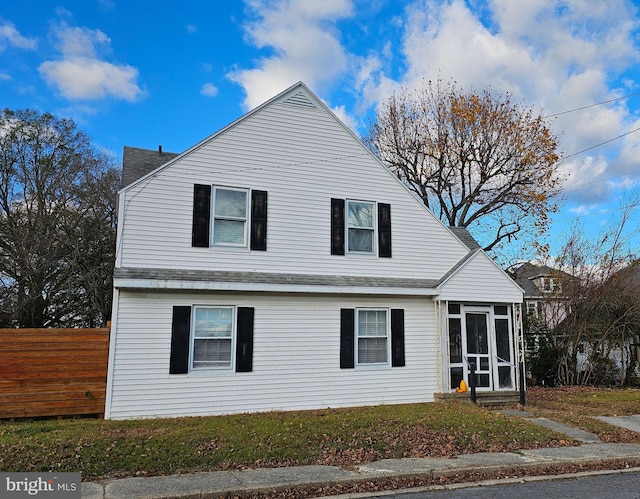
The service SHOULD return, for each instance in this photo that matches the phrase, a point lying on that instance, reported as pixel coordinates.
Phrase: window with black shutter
(353, 228)
(210, 338)
(368, 338)
(221, 217)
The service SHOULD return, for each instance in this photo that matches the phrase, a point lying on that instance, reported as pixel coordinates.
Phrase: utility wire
(590, 105)
(601, 143)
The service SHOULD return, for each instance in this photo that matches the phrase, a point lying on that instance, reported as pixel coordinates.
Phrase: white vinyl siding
(302, 157)
(296, 358)
(479, 279)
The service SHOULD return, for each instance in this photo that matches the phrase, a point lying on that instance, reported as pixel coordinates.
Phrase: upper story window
(230, 216)
(360, 226)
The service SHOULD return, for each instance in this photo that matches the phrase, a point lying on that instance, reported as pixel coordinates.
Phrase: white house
(278, 265)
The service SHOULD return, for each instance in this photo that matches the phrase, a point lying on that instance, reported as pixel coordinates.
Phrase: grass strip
(340, 437)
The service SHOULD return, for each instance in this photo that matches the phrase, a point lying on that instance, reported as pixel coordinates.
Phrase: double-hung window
(213, 338)
(230, 214)
(360, 226)
(372, 333)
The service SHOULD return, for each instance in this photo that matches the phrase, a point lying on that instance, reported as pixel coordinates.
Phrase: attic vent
(299, 99)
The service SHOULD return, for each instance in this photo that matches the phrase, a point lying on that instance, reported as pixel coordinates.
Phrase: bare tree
(596, 341)
(476, 159)
(57, 223)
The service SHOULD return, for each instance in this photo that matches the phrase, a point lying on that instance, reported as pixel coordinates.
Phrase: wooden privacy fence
(53, 372)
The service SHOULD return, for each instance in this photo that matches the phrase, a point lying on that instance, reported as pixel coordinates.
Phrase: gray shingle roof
(527, 272)
(464, 236)
(137, 162)
(271, 278)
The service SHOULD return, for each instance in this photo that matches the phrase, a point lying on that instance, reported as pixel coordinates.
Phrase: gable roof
(147, 163)
(461, 282)
(137, 162)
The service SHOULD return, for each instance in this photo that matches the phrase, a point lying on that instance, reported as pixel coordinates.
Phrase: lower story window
(213, 337)
(372, 337)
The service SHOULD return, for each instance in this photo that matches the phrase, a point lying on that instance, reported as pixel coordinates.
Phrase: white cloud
(556, 55)
(344, 116)
(209, 89)
(192, 28)
(304, 41)
(82, 73)
(86, 79)
(10, 36)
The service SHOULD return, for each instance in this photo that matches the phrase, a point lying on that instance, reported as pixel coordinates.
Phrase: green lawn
(342, 437)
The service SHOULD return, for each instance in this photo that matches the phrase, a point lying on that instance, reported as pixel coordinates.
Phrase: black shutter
(244, 347)
(180, 335)
(337, 226)
(384, 230)
(259, 220)
(347, 338)
(397, 337)
(201, 216)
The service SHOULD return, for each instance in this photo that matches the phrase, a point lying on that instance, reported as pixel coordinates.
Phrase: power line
(577, 186)
(601, 143)
(585, 215)
(590, 105)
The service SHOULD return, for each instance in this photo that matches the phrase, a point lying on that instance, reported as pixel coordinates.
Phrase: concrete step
(485, 399)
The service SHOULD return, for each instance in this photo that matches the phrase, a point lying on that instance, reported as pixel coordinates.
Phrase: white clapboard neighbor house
(278, 265)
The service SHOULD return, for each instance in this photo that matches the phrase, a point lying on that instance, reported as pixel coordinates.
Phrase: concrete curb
(214, 484)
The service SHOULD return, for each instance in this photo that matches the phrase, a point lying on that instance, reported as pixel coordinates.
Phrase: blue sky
(145, 73)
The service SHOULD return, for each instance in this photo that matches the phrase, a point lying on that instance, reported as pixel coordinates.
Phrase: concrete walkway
(216, 483)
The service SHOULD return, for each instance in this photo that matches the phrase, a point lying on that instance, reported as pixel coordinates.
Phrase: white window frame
(193, 338)
(358, 336)
(373, 229)
(245, 219)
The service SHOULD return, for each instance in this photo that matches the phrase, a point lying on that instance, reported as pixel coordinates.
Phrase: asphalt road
(601, 486)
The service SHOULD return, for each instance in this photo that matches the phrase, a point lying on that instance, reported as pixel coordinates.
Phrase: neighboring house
(545, 302)
(542, 286)
(278, 265)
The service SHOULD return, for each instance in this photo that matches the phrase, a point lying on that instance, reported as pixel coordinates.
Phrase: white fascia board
(178, 285)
